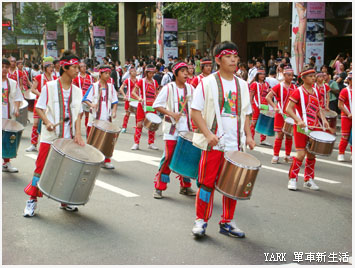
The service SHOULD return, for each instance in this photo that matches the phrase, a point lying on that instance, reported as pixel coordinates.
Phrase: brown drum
(238, 175)
(320, 143)
(288, 126)
(30, 97)
(103, 136)
(152, 122)
(331, 117)
(133, 105)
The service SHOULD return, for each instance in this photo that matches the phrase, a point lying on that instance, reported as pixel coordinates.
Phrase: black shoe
(69, 208)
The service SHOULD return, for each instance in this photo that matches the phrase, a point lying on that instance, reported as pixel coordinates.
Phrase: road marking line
(271, 152)
(300, 174)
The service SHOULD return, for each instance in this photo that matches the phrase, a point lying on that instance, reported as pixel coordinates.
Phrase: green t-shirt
(333, 85)
(197, 68)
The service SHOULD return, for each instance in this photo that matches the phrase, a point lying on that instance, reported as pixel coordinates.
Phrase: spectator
(279, 72)
(271, 62)
(113, 75)
(242, 72)
(158, 76)
(140, 71)
(271, 79)
(333, 94)
(279, 53)
(336, 64)
(252, 71)
(341, 77)
(35, 71)
(168, 77)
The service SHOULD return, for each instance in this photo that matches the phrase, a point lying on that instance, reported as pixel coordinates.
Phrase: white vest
(13, 87)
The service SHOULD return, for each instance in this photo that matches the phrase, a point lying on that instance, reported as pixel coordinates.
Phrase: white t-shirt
(167, 78)
(228, 116)
(42, 104)
(104, 115)
(161, 101)
(5, 99)
(251, 74)
(272, 81)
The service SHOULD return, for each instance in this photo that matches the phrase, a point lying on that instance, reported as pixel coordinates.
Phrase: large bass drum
(70, 172)
(238, 175)
(11, 137)
(103, 136)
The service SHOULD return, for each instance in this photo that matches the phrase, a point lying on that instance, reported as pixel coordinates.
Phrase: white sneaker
(135, 147)
(32, 148)
(199, 228)
(108, 165)
(152, 147)
(341, 158)
(292, 184)
(311, 185)
(288, 159)
(30, 208)
(6, 167)
(275, 160)
(265, 143)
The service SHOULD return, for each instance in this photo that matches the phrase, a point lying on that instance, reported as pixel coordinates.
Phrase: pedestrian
(158, 76)
(147, 88)
(345, 105)
(69, 97)
(11, 101)
(206, 68)
(252, 71)
(173, 101)
(281, 92)
(242, 71)
(100, 97)
(229, 88)
(168, 77)
(303, 107)
(271, 79)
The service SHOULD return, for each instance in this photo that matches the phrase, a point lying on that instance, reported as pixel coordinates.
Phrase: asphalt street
(123, 224)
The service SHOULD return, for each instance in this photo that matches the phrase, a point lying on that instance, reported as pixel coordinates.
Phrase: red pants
(278, 144)
(6, 160)
(126, 117)
(161, 179)
(254, 118)
(278, 122)
(209, 172)
(346, 126)
(140, 117)
(301, 140)
(32, 189)
(88, 129)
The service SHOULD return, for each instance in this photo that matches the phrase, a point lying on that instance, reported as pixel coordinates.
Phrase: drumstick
(61, 122)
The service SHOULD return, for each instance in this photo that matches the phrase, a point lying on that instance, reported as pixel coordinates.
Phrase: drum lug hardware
(87, 172)
(12, 138)
(84, 179)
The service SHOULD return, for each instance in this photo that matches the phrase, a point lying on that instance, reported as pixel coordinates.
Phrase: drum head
(268, 113)
(322, 136)
(186, 135)
(29, 95)
(329, 114)
(134, 103)
(24, 104)
(153, 118)
(290, 120)
(87, 153)
(242, 159)
(12, 125)
(106, 126)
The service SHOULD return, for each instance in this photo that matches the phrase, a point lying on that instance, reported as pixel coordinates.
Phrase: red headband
(105, 70)
(320, 74)
(179, 65)
(206, 62)
(260, 71)
(69, 62)
(150, 70)
(227, 52)
(288, 71)
(312, 71)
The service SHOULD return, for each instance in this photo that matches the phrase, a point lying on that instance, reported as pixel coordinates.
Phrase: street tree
(209, 16)
(35, 19)
(81, 17)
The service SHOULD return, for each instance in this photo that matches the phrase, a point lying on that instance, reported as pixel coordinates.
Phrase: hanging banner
(159, 30)
(99, 43)
(170, 38)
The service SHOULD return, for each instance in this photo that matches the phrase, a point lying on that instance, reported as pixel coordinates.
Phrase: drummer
(281, 91)
(233, 138)
(298, 111)
(100, 97)
(129, 84)
(14, 73)
(147, 88)
(56, 126)
(206, 68)
(83, 81)
(259, 88)
(38, 83)
(11, 101)
(174, 101)
(345, 105)
(323, 90)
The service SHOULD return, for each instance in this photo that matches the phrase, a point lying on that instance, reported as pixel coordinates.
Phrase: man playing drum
(38, 83)
(345, 105)
(304, 109)
(129, 84)
(11, 101)
(147, 88)
(206, 67)
(174, 101)
(258, 91)
(281, 92)
(219, 98)
(59, 107)
(100, 97)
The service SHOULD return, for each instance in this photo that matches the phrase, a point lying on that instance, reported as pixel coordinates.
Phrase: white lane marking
(271, 152)
(102, 184)
(114, 189)
(122, 156)
(351, 260)
(300, 174)
(347, 152)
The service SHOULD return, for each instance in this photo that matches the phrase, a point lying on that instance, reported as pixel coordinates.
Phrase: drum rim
(74, 159)
(231, 196)
(154, 115)
(105, 130)
(243, 166)
(15, 131)
(316, 139)
(315, 153)
(61, 200)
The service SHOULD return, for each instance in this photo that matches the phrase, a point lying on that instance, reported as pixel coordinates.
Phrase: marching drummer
(174, 101)
(11, 101)
(258, 91)
(129, 84)
(304, 108)
(59, 98)
(147, 88)
(345, 105)
(38, 83)
(14, 73)
(323, 90)
(206, 68)
(100, 97)
(281, 92)
(231, 134)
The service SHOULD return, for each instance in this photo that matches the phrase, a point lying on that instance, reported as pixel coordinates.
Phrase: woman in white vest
(51, 112)
(11, 101)
(174, 101)
(100, 97)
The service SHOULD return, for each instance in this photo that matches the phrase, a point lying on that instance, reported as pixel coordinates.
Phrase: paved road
(123, 224)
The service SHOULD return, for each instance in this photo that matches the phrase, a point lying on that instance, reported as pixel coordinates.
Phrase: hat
(312, 58)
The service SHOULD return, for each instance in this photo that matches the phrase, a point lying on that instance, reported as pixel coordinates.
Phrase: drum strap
(62, 110)
(8, 98)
